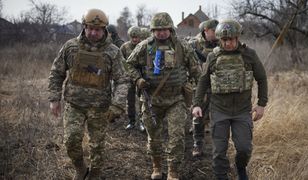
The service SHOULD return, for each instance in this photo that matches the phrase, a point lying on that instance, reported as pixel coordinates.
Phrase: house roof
(5, 23)
(201, 15)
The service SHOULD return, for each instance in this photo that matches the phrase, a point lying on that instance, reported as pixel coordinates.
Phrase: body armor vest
(229, 74)
(90, 69)
(172, 60)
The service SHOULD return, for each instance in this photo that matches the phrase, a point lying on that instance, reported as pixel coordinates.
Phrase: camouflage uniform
(168, 105)
(126, 49)
(229, 75)
(116, 40)
(88, 70)
(203, 46)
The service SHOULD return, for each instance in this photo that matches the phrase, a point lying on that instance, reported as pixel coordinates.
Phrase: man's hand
(142, 83)
(257, 113)
(197, 112)
(55, 108)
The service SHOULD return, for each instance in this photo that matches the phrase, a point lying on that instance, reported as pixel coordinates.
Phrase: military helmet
(209, 24)
(228, 29)
(95, 17)
(161, 21)
(134, 31)
(112, 29)
(145, 33)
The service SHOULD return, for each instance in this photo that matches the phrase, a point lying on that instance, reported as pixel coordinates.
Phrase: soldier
(134, 33)
(91, 61)
(230, 70)
(145, 33)
(116, 40)
(203, 45)
(159, 65)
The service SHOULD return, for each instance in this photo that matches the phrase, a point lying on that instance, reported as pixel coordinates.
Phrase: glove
(113, 113)
(142, 83)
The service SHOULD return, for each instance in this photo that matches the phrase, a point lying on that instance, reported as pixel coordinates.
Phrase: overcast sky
(75, 8)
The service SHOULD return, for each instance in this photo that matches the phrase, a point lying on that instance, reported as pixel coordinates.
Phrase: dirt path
(128, 159)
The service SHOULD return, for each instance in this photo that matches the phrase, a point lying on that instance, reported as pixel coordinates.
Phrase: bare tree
(124, 22)
(267, 18)
(46, 13)
(42, 20)
(143, 16)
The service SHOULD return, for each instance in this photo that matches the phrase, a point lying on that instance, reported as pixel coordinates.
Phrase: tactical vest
(229, 74)
(90, 69)
(172, 61)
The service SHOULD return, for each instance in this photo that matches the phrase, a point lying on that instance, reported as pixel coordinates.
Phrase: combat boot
(241, 173)
(197, 151)
(81, 171)
(172, 172)
(141, 127)
(131, 124)
(157, 171)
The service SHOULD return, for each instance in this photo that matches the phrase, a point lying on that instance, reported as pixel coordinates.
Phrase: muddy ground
(31, 145)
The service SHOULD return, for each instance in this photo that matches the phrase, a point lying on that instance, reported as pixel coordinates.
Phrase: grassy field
(31, 144)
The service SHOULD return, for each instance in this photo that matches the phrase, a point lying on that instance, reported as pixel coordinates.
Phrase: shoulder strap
(161, 84)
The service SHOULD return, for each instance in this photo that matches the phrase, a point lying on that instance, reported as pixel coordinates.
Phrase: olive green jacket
(233, 103)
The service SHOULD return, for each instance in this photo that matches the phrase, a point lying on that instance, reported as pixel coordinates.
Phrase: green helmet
(210, 24)
(161, 21)
(228, 29)
(145, 33)
(134, 31)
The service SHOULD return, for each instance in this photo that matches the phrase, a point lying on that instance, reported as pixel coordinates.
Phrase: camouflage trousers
(75, 120)
(175, 115)
(241, 128)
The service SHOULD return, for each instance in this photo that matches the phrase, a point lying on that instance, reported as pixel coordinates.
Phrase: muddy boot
(157, 171)
(81, 171)
(172, 172)
(197, 151)
(131, 124)
(141, 127)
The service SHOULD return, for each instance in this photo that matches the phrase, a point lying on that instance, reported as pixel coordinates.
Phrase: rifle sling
(161, 84)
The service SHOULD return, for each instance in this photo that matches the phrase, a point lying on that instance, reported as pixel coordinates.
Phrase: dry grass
(31, 144)
(281, 137)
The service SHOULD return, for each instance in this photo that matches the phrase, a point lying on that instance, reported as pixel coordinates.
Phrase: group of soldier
(97, 77)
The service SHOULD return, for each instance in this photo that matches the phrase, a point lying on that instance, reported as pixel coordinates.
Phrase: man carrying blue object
(164, 62)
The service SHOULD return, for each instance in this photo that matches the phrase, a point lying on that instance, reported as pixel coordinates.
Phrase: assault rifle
(201, 57)
(148, 102)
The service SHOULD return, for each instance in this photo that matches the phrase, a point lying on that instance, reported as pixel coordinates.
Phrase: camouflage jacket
(85, 96)
(237, 102)
(127, 48)
(200, 44)
(138, 61)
